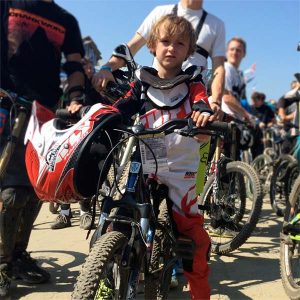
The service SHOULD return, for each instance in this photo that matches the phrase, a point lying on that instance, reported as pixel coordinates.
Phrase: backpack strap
(199, 49)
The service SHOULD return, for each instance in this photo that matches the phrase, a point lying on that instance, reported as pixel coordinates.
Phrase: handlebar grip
(218, 126)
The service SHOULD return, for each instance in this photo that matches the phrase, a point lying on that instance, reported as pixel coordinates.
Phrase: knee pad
(14, 197)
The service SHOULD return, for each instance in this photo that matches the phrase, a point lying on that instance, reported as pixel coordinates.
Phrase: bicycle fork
(11, 144)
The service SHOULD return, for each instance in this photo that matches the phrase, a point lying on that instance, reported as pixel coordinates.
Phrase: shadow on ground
(62, 276)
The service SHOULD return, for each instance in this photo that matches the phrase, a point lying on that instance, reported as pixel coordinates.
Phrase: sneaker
(86, 221)
(4, 281)
(61, 221)
(25, 267)
(174, 282)
(222, 232)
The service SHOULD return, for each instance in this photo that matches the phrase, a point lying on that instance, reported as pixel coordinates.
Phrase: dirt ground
(252, 272)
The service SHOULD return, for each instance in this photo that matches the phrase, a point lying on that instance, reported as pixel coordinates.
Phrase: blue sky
(271, 29)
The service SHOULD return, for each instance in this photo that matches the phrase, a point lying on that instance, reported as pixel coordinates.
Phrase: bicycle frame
(142, 219)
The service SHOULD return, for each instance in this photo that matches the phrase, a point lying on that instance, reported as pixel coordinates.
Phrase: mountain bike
(290, 240)
(290, 244)
(231, 200)
(139, 236)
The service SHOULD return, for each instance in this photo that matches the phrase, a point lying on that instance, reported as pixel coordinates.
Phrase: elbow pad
(71, 67)
(122, 51)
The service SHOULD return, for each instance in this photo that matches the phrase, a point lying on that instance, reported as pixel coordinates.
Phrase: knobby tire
(289, 247)
(101, 254)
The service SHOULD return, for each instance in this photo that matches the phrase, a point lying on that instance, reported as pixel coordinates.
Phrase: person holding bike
(34, 34)
(171, 41)
(235, 89)
(210, 40)
(63, 220)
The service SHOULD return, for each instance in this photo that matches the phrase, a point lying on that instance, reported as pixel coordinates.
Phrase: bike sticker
(200, 178)
(132, 179)
(135, 167)
(158, 146)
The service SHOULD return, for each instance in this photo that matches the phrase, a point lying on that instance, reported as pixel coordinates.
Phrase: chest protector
(57, 157)
(166, 93)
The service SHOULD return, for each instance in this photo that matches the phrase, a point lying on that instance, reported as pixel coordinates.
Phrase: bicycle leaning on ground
(139, 236)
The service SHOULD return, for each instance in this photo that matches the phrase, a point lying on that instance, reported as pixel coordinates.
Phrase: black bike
(136, 233)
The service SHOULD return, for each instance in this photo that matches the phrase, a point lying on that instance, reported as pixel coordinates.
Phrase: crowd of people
(34, 36)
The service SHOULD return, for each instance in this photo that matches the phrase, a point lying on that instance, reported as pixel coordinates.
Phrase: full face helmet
(58, 159)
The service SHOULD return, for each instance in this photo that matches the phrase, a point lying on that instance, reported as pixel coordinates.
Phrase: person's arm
(235, 105)
(284, 117)
(101, 79)
(75, 79)
(217, 86)
(131, 103)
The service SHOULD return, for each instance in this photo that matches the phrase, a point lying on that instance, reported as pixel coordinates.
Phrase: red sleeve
(198, 93)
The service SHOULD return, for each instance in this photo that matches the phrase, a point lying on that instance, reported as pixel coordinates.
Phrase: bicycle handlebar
(184, 127)
(15, 99)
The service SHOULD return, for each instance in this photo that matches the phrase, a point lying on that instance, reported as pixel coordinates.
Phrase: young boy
(171, 41)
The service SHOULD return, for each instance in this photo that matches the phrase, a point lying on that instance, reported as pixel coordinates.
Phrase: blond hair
(174, 26)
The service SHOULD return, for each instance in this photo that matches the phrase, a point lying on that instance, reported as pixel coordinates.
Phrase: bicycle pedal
(185, 247)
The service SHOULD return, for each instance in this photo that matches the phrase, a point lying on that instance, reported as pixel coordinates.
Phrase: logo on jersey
(190, 175)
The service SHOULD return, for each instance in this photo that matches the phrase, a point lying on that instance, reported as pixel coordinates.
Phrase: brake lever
(187, 130)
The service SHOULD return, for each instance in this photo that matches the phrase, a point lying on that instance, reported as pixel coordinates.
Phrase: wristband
(108, 68)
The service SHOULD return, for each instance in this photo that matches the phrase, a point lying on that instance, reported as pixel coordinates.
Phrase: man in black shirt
(266, 118)
(262, 111)
(34, 34)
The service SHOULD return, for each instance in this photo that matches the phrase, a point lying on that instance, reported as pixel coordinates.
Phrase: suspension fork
(11, 144)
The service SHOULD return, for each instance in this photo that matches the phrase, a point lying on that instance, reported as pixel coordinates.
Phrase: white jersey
(211, 37)
(234, 83)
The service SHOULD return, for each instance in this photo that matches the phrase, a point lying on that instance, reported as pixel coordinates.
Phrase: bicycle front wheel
(157, 283)
(290, 248)
(102, 275)
(279, 184)
(233, 214)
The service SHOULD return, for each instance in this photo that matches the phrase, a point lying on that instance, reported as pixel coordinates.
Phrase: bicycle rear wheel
(290, 248)
(102, 275)
(231, 221)
(263, 166)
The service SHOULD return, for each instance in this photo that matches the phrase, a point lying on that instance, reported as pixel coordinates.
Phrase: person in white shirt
(210, 42)
(235, 86)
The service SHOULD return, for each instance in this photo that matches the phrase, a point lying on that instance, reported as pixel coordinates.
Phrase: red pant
(192, 226)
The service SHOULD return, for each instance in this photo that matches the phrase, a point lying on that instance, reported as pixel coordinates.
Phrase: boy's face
(235, 53)
(171, 52)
